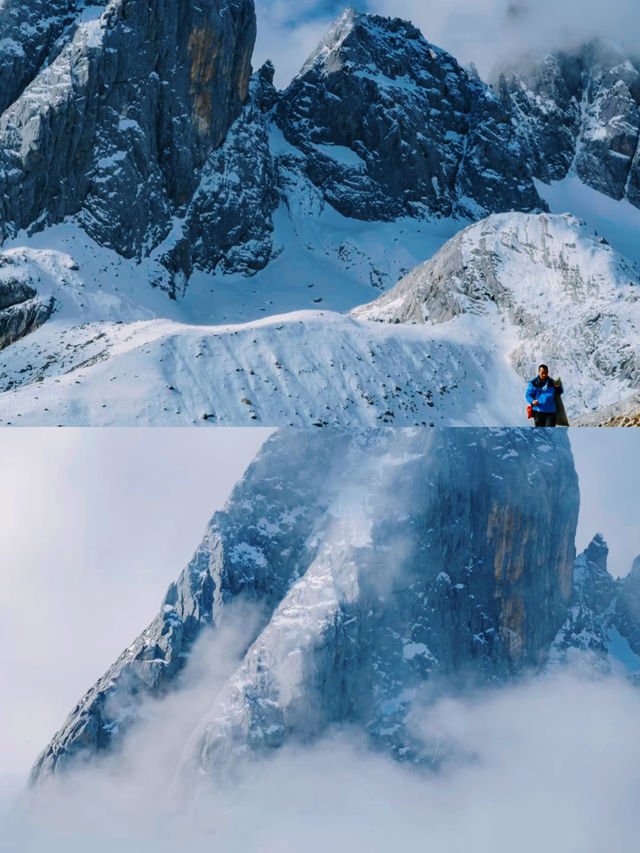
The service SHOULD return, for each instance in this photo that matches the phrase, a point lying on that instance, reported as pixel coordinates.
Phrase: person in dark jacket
(541, 395)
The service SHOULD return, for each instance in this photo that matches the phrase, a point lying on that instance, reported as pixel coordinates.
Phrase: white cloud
(94, 524)
(486, 32)
(550, 764)
(489, 32)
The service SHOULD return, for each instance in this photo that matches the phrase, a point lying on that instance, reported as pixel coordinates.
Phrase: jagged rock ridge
(579, 110)
(383, 124)
(603, 619)
(382, 560)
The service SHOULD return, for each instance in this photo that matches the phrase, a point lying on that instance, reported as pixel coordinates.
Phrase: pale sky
(482, 31)
(94, 524)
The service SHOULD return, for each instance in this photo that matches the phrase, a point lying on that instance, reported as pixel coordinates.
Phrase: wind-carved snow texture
(385, 563)
(556, 292)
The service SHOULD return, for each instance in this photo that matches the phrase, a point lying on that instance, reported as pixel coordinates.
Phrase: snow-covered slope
(301, 369)
(554, 292)
(378, 560)
(317, 198)
(463, 334)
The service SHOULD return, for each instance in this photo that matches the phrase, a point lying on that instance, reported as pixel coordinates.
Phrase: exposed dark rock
(627, 617)
(21, 310)
(465, 574)
(392, 126)
(229, 219)
(579, 109)
(121, 114)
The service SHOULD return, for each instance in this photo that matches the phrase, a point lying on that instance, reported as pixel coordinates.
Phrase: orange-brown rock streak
(204, 49)
(505, 527)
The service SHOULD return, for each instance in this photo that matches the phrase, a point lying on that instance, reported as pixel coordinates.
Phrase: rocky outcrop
(602, 629)
(381, 560)
(627, 607)
(580, 110)
(121, 114)
(625, 412)
(392, 126)
(586, 627)
(21, 309)
(229, 223)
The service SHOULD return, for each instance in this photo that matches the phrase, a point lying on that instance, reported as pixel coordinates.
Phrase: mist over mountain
(382, 569)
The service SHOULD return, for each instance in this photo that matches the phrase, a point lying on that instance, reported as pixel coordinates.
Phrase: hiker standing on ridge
(543, 396)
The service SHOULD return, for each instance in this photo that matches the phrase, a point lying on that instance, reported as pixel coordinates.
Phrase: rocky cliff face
(229, 223)
(392, 126)
(382, 561)
(580, 109)
(119, 105)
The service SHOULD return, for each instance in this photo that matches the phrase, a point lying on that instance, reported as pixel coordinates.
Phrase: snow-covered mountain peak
(391, 126)
(326, 54)
(540, 263)
(358, 39)
(577, 111)
(379, 561)
(555, 290)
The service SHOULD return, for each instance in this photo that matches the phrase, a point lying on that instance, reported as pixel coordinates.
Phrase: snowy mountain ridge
(578, 111)
(462, 338)
(319, 197)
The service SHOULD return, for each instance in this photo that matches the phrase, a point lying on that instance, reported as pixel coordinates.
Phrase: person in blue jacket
(541, 394)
